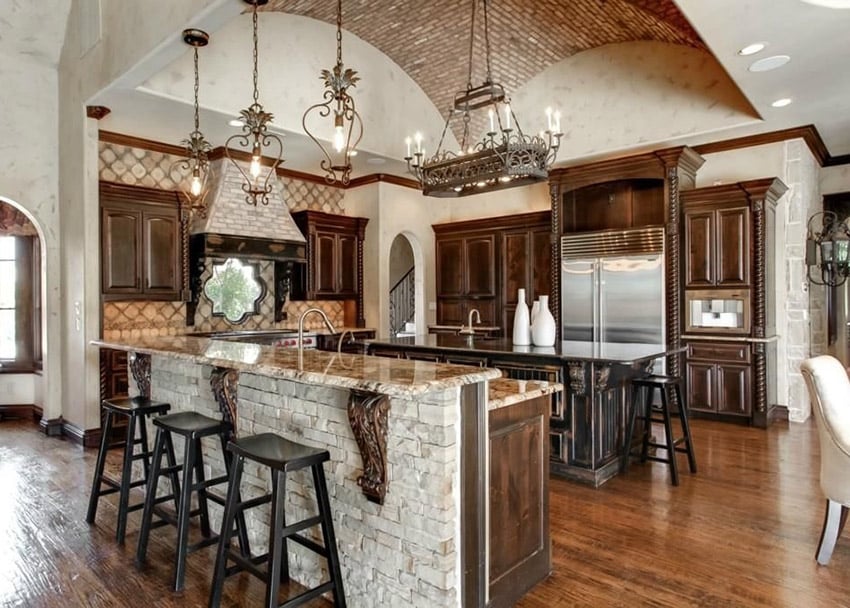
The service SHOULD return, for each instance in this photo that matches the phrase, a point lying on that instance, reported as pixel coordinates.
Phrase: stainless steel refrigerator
(612, 287)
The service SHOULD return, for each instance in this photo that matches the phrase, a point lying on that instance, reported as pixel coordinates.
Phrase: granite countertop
(506, 391)
(394, 377)
(581, 351)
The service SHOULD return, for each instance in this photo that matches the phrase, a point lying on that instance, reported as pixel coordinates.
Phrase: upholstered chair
(829, 390)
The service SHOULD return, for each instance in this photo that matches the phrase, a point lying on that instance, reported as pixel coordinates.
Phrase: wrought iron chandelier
(258, 181)
(828, 249)
(197, 147)
(348, 128)
(504, 158)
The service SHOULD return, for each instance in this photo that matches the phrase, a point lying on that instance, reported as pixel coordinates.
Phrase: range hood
(234, 229)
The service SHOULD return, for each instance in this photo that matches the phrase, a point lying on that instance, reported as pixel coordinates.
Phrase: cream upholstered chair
(829, 390)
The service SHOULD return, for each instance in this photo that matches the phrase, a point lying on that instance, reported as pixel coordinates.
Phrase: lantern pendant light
(264, 149)
(197, 147)
(348, 128)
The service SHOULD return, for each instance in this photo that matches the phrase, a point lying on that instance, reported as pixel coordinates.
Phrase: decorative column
(555, 262)
(140, 367)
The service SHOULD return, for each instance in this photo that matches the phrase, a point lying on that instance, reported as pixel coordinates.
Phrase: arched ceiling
(430, 40)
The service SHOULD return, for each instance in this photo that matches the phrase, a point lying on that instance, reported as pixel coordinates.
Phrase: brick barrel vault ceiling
(430, 40)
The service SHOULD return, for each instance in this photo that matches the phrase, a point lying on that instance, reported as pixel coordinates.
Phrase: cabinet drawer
(713, 351)
(118, 360)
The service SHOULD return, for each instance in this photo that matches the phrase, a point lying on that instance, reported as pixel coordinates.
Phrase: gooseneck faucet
(328, 324)
(470, 331)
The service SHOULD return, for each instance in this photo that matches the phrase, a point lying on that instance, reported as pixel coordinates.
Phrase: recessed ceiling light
(781, 103)
(829, 3)
(752, 49)
(769, 63)
(236, 122)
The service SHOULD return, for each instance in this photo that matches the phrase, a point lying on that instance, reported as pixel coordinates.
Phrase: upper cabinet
(482, 263)
(142, 243)
(334, 269)
(717, 243)
(617, 204)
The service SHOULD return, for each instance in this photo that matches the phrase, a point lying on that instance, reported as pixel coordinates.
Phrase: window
(8, 284)
(20, 302)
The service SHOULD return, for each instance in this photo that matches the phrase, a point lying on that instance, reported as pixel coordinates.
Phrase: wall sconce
(828, 248)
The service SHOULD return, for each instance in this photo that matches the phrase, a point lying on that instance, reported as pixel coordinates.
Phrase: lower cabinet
(719, 378)
(114, 382)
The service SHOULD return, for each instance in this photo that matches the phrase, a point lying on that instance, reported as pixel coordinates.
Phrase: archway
(22, 311)
(406, 295)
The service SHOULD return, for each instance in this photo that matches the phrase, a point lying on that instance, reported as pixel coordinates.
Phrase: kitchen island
(588, 421)
(438, 479)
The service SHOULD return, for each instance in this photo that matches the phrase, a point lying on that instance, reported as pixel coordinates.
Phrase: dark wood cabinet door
(325, 263)
(121, 246)
(541, 256)
(733, 389)
(699, 247)
(162, 253)
(451, 311)
(487, 310)
(450, 265)
(732, 242)
(480, 256)
(700, 386)
(515, 266)
(347, 266)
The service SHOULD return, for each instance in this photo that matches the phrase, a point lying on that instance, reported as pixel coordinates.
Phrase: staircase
(403, 304)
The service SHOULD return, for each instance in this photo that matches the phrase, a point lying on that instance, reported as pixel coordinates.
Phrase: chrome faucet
(470, 331)
(328, 324)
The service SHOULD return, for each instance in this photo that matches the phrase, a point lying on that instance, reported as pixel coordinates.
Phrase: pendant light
(348, 128)
(265, 148)
(196, 163)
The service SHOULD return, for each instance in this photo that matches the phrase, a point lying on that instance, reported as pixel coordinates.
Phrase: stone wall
(401, 553)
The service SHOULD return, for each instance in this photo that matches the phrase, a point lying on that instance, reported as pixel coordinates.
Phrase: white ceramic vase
(522, 322)
(543, 328)
(535, 308)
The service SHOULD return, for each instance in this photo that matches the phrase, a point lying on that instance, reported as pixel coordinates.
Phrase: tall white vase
(535, 308)
(543, 329)
(522, 323)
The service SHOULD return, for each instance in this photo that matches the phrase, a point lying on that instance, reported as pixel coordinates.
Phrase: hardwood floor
(741, 532)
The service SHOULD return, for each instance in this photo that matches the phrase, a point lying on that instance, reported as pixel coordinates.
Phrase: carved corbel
(224, 382)
(577, 373)
(603, 374)
(140, 367)
(367, 414)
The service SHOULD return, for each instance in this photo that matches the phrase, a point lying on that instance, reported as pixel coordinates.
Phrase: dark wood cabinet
(334, 268)
(114, 382)
(719, 378)
(482, 263)
(618, 204)
(142, 243)
(727, 262)
(717, 246)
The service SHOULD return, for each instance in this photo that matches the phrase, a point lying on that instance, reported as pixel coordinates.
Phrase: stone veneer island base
(438, 474)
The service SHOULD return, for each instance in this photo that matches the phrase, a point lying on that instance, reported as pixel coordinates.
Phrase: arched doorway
(21, 306)
(406, 295)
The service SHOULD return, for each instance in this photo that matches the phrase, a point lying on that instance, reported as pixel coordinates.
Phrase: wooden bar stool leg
(143, 437)
(671, 442)
(94, 497)
(227, 522)
(183, 513)
(173, 478)
(126, 479)
(648, 394)
(328, 534)
(241, 526)
(150, 498)
(276, 541)
(203, 504)
(686, 429)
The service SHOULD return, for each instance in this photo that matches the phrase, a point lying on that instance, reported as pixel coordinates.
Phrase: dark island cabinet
(334, 268)
(142, 243)
(482, 263)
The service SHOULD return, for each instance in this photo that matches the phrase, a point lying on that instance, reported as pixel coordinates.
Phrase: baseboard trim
(87, 439)
(17, 410)
(52, 427)
(778, 412)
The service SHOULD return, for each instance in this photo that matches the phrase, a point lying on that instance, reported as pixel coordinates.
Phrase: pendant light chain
(197, 86)
(256, 59)
(487, 41)
(471, 45)
(339, 32)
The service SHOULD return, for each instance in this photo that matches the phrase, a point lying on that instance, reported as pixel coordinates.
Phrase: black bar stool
(643, 392)
(282, 456)
(192, 427)
(136, 410)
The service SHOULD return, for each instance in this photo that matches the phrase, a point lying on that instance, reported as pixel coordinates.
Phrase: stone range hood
(234, 229)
